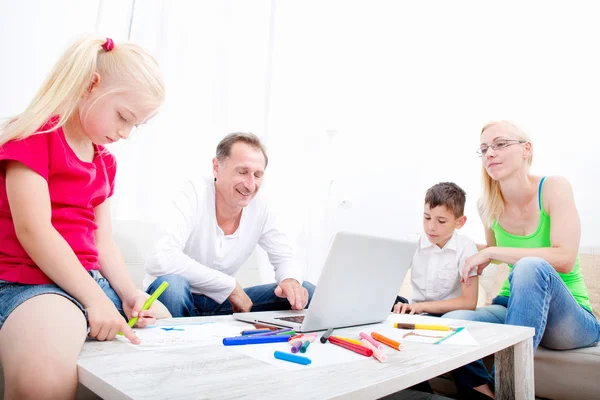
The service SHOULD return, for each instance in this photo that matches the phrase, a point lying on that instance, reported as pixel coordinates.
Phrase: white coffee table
(116, 370)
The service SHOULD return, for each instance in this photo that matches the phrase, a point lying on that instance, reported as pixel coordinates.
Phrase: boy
(441, 254)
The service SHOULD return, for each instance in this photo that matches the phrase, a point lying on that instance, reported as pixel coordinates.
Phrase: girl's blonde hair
(126, 66)
(491, 202)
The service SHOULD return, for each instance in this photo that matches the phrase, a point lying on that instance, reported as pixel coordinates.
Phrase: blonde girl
(55, 231)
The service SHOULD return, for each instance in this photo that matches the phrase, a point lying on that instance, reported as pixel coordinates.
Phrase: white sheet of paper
(330, 354)
(162, 336)
(463, 337)
(320, 354)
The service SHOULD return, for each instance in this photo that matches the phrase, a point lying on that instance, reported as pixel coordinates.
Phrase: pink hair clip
(109, 45)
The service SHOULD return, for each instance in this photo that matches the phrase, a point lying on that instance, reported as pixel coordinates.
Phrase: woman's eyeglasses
(498, 145)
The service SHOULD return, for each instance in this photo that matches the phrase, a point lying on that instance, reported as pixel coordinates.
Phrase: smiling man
(212, 228)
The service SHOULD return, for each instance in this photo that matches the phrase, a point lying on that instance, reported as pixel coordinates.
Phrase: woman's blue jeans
(539, 299)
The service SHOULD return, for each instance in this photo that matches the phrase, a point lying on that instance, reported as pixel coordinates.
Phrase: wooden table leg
(514, 372)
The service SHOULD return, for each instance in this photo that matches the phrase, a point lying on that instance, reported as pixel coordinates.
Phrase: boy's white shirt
(435, 272)
(192, 244)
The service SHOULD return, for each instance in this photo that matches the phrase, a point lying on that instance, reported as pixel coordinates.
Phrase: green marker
(288, 333)
(149, 302)
(304, 346)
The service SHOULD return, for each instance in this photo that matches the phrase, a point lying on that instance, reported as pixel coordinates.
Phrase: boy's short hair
(447, 194)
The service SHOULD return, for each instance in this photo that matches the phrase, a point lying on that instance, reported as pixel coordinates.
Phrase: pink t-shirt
(76, 187)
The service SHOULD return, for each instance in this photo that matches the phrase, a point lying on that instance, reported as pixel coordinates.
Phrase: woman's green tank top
(541, 238)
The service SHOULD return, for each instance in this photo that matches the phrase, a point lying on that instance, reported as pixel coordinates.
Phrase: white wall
(406, 86)
(409, 85)
(34, 35)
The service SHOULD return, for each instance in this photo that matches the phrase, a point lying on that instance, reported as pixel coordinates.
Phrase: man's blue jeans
(181, 302)
(539, 299)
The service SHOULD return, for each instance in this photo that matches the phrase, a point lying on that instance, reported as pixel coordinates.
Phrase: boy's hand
(105, 321)
(478, 260)
(132, 305)
(404, 308)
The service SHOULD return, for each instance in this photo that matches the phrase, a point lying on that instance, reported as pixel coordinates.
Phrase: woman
(531, 224)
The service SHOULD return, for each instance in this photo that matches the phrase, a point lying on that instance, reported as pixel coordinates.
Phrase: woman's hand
(479, 260)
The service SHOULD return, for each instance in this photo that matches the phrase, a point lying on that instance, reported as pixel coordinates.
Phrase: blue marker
(253, 339)
(450, 335)
(280, 355)
(255, 331)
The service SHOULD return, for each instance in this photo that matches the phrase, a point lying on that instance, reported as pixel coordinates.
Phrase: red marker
(353, 347)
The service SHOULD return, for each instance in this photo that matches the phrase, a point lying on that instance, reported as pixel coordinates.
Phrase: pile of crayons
(368, 345)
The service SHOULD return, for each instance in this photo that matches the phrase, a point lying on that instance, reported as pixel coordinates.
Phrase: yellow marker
(425, 327)
(349, 340)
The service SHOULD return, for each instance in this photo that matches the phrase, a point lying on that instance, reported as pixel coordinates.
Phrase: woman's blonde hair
(491, 202)
(126, 66)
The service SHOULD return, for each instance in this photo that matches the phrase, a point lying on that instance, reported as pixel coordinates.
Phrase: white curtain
(214, 57)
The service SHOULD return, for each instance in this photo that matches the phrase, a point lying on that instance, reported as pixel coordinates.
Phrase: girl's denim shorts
(14, 294)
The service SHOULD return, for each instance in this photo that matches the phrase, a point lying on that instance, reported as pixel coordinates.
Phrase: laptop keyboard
(298, 319)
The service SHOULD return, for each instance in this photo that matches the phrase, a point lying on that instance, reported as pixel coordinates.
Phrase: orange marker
(385, 340)
(263, 326)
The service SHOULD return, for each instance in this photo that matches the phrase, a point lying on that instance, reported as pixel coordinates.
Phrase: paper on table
(463, 338)
(320, 354)
(167, 336)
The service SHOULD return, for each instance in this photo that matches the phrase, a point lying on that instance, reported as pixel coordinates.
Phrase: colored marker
(273, 332)
(369, 339)
(356, 342)
(296, 346)
(148, 302)
(280, 355)
(301, 340)
(385, 340)
(357, 349)
(288, 333)
(326, 335)
(378, 354)
(254, 331)
(425, 327)
(253, 339)
(304, 346)
(298, 336)
(263, 326)
(450, 335)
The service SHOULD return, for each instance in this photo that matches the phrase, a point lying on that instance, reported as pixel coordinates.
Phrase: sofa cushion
(590, 268)
(567, 374)
(136, 239)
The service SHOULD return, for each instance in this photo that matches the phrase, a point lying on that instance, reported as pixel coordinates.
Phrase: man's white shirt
(192, 244)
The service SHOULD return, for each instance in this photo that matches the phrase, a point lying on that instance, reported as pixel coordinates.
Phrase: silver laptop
(358, 285)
